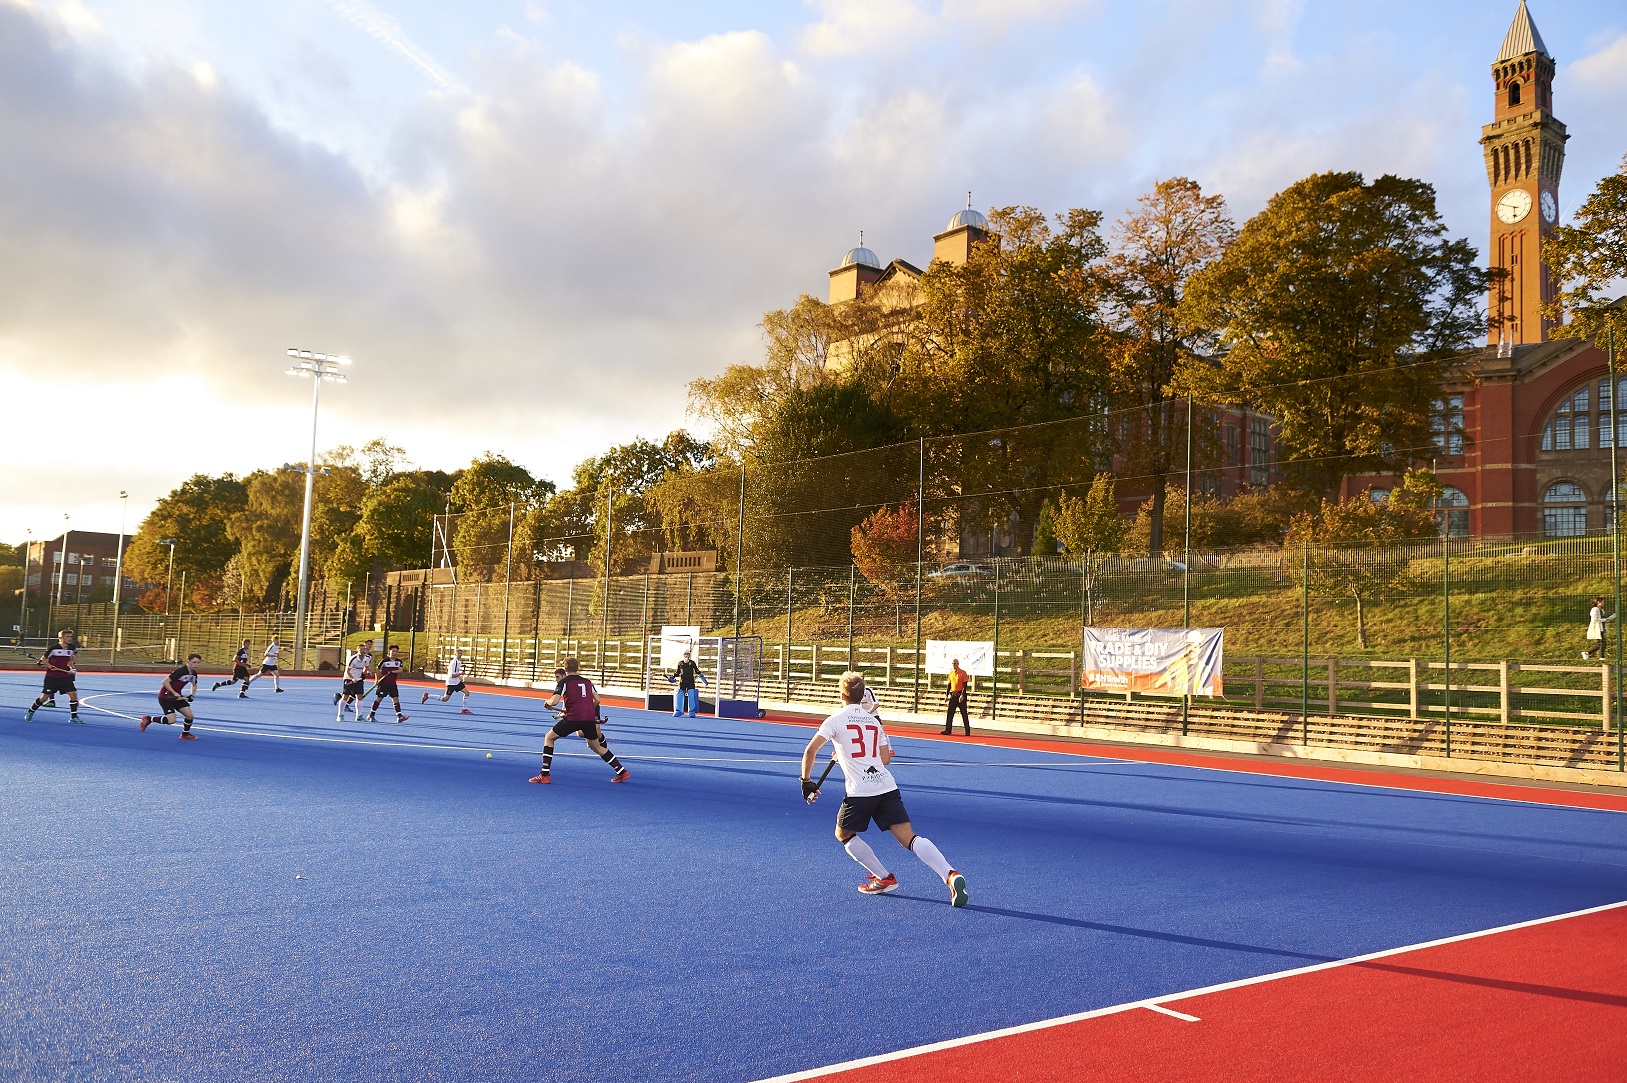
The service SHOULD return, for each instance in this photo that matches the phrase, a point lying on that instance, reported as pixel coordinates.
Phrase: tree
(198, 514)
(1009, 338)
(572, 521)
(1091, 533)
(1045, 532)
(1340, 308)
(1175, 232)
(484, 493)
(1356, 547)
(884, 549)
(1588, 258)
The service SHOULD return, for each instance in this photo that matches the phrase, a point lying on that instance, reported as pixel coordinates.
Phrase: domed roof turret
(967, 217)
(861, 256)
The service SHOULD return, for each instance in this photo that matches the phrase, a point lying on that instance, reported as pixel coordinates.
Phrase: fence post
(813, 667)
(1022, 672)
(1604, 698)
(1333, 686)
(1502, 681)
(1305, 645)
(1412, 687)
(889, 665)
(994, 682)
(786, 655)
(1259, 682)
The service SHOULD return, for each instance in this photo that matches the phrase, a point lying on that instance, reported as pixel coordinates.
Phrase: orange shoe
(186, 736)
(620, 776)
(958, 895)
(466, 711)
(880, 885)
(542, 780)
(146, 720)
(424, 698)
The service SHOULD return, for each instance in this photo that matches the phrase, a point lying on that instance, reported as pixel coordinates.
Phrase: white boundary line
(1157, 1003)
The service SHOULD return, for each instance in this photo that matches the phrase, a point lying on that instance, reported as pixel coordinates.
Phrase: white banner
(1156, 661)
(675, 639)
(976, 656)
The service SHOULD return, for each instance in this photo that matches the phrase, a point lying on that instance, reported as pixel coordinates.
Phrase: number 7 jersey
(858, 740)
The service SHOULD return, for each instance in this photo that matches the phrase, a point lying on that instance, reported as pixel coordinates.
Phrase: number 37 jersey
(858, 740)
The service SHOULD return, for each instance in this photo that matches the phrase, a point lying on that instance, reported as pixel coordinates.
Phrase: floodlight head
(342, 360)
(292, 352)
(166, 541)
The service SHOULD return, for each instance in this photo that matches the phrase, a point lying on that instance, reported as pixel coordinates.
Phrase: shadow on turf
(1494, 983)
(1123, 930)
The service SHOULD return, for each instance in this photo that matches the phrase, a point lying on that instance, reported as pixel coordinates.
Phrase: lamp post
(169, 581)
(22, 610)
(118, 576)
(316, 367)
(61, 572)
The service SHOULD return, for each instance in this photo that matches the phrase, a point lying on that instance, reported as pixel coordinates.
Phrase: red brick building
(1524, 443)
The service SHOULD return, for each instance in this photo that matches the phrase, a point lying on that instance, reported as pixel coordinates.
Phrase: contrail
(376, 24)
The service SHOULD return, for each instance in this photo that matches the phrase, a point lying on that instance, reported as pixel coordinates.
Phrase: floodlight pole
(317, 367)
(22, 609)
(739, 546)
(118, 577)
(1615, 530)
(55, 596)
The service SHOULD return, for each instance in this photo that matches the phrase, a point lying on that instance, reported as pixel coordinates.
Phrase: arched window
(1454, 504)
(1378, 496)
(1564, 511)
(1514, 92)
(1571, 426)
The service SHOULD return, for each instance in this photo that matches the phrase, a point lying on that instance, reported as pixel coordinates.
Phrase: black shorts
(267, 670)
(589, 729)
(886, 809)
(169, 704)
(240, 673)
(354, 688)
(55, 684)
(459, 687)
(386, 689)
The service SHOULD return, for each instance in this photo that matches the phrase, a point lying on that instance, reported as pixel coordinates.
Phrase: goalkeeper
(688, 695)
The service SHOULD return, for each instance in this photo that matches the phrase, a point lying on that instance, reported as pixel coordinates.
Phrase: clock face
(1550, 208)
(1514, 206)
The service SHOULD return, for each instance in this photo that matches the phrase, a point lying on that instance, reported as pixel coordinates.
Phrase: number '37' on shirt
(858, 740)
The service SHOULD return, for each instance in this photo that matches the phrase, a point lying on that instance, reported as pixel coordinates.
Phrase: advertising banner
(1157, 661)
(677, 638)
(976, 656)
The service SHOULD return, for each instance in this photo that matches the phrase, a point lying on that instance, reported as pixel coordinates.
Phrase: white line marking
(1172, 1013)
(1155, 1002)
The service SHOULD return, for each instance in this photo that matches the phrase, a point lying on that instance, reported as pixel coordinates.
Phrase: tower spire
(1522, 37)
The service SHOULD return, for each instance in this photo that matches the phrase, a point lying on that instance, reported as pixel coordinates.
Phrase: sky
(532, 222)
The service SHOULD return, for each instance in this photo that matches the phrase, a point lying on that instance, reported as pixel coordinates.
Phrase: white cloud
(847, 27)
(1604, 70)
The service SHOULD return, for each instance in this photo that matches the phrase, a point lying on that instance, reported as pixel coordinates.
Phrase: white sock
(930, 856)
(860, 851)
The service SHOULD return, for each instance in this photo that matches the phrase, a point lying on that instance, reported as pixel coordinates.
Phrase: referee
(957, 698)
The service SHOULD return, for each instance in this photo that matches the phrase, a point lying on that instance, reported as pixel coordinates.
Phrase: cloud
(1604, 70)
(367, 18)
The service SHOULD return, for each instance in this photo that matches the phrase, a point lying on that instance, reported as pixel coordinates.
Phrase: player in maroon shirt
(175, 697)
(388, 671)
(59, 675)
(581, 715)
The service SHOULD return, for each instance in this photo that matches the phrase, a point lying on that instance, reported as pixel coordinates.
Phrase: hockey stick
(814, 796)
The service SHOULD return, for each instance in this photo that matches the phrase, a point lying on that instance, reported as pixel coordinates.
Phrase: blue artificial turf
(252, 907)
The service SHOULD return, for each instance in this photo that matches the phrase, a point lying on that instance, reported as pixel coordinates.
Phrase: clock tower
(1525, 151)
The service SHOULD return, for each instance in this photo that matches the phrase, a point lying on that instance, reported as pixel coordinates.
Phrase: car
(964, 570)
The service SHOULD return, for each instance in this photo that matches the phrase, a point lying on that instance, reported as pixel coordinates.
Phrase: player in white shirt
(860, 746)
(268, 668)
(454, 681)
(354, 688)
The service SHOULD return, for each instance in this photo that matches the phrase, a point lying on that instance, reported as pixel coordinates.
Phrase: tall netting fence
(1401, 634)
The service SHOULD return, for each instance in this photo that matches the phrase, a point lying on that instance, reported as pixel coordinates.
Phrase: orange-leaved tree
(885, 546)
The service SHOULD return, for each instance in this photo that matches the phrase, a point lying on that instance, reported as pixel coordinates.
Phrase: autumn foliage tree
(1355, 548)
(1339, 309)
(1091, 533)
(1588, 260)
(885, 547)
